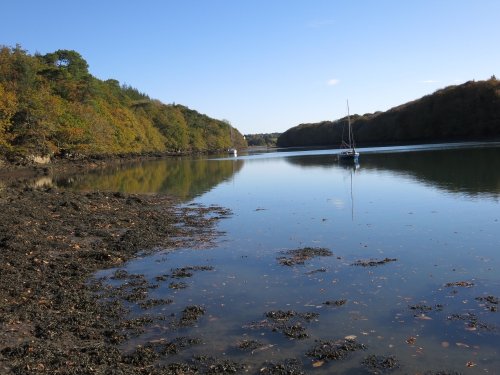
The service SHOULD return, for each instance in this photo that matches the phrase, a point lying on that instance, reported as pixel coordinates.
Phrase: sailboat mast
(349, 120)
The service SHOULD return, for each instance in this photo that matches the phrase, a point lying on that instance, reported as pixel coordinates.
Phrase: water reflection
(412, 262)
(186, 178)
(469, 171)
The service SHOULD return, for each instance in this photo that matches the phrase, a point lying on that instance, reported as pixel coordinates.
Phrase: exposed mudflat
(51, 244)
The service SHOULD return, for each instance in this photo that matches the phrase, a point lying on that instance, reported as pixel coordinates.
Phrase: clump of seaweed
(380, 363)
(173, 347)
(473, 322)
(151, 303)
(142, 356)
(190, 315)
(177, 368)
(281, 315)
(299, 256)
(423, 309)
(373, 262)
(491, 302)
(329, 350)
(215, 366)
(290, 323)
(183, 272)
(467, 284)
(289, 366)
(420, 308)
(340, 302)
(249, 344)
(316, 271)
(178, 286)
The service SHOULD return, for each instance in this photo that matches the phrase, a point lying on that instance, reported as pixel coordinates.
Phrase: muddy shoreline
(51, 244)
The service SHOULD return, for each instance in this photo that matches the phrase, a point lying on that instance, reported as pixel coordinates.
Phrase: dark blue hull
(348, 156)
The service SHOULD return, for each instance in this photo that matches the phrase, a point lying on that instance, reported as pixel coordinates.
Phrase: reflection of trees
(321, 161)
(471, 170)
(467, 170)
(184, 178)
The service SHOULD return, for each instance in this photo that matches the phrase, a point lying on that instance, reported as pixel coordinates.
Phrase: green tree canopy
(51, 104)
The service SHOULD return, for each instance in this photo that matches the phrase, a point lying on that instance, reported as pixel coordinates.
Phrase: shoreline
(52, 243)
(24, 166)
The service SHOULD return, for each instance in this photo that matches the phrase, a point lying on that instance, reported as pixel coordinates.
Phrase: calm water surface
(433, 210)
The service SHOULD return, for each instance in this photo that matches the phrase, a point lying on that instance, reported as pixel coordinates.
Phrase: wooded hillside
(51, 104)
(467, 111)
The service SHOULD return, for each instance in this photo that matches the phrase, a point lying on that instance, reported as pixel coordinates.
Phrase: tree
(69, 61)
(8, 107)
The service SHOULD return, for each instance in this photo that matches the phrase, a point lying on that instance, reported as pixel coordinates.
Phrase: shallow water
(432, 210)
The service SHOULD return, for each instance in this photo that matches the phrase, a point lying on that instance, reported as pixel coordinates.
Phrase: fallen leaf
(470, 364)
(350, 337)
(423, 317)
(317, 364)
(263, 348)
(445, 344)
(462, 345)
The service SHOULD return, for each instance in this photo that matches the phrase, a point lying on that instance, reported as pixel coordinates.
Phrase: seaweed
(299, 256)
(329, 350)
(373, 262)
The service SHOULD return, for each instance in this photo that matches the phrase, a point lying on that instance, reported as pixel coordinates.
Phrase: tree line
(458, 112)
(263, 140)
(50, 104)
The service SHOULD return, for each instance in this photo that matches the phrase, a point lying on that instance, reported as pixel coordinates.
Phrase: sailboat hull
(348, 156)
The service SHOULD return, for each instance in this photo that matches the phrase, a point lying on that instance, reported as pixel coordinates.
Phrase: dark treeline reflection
(183, 178)
(471, 170)
(466, 170)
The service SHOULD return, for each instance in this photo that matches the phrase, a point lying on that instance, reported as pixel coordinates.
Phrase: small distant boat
(232, 150)
(348, 153)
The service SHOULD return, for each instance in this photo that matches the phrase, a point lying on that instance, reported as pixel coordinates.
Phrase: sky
(269, 65)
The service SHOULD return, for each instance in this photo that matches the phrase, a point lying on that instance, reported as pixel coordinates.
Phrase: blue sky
(267, 66)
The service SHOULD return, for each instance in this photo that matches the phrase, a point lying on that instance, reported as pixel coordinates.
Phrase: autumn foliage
(50, 104)
(463, 112)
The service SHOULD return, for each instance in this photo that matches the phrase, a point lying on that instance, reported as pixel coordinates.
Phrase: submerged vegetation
(462, 112)
(50, 104)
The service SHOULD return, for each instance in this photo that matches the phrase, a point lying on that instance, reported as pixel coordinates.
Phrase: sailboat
(349, 153)
(232, 150)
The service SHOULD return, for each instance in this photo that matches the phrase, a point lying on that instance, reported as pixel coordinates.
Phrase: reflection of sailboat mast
(352, 199)
(352, 170)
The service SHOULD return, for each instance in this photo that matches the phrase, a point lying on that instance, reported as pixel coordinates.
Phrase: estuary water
(399, 254)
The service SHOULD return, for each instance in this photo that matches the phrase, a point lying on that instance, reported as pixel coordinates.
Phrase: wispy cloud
(429, 81)
(333, 82)
(319, 23)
